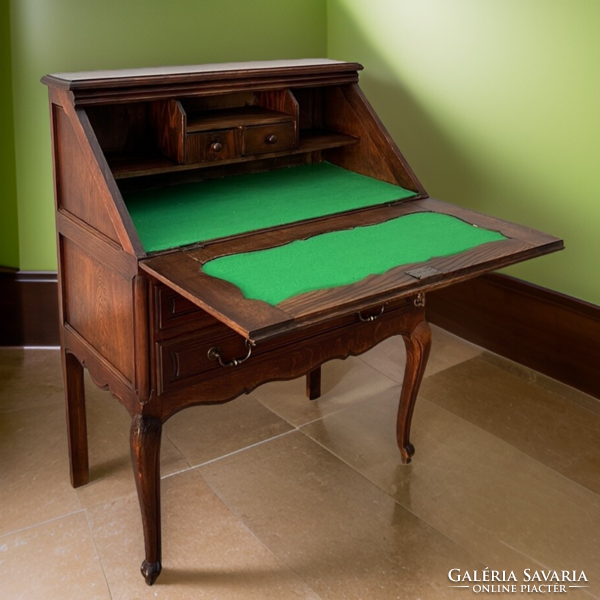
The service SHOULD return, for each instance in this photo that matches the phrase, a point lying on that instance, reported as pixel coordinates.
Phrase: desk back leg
(146, 433)
(418, 344)
(313, 384)
(76, 421)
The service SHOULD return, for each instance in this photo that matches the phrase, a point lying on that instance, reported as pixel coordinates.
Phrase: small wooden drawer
(175, 312)
(262, 139)
(212, 146)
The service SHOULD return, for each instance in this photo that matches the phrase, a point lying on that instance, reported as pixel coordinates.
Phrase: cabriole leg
(145, 454)
(418, 344)
(76, 422)
(313, 384)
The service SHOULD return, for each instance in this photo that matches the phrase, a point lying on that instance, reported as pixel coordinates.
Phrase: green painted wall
(496, 105)
(9, 234)
(69, 35)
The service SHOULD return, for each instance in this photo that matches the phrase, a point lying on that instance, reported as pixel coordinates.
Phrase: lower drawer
(187, 359)
(181, 359)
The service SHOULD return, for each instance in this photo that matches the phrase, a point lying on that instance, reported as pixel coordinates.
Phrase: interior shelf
(234, 117)
(136, 166)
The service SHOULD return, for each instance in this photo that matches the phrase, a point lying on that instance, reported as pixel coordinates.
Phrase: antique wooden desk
(222, 226)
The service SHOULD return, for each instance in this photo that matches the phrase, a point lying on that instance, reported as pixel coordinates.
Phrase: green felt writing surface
(344, 257)
(180, 215)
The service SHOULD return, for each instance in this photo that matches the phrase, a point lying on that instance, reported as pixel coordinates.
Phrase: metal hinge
(423, 272)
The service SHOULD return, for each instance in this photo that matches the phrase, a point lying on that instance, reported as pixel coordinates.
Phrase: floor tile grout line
(590, 594)
(243, 523)
(38, 347)
(368, 481)
(454, 336)
(519, 371)
(522, 452)
(408, 510)
(341, 408)
(2, 348)
(75, 512)
(419, 517)
(298, 428)
(351, 467)
(360, 357)
(535, 560)
(460, 545)
(426, 374)
(166, 434)
(533, 384)
(212, 460)
(335, 412)
(87, 518)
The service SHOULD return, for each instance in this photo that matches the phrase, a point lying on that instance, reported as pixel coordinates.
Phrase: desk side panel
(76, 188)
(98, 305)
(84, 160)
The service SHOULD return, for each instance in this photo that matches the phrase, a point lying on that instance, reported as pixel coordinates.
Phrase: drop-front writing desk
(160, 171)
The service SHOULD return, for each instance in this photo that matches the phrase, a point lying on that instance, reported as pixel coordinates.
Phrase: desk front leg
(145, 454)
(418, 345)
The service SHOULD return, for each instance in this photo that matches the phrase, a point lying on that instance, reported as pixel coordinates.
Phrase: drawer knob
(215, 354)
(271, 139)
(216, 146)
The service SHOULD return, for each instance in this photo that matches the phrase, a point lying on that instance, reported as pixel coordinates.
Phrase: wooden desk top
(187, 73)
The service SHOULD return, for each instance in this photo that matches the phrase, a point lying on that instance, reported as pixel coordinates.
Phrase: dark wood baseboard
(554, 334)
(28, 308)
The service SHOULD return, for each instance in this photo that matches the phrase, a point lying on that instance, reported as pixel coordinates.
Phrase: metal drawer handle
(216, 146)
(371, 317)
(215, 354)
(271, 139)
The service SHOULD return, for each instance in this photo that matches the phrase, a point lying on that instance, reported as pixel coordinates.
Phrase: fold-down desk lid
(268, 283)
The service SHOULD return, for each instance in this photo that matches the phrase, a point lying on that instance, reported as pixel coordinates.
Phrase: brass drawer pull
(371, 317)
(271, 139)
(215, 354)
(419, 300)
(216, 146)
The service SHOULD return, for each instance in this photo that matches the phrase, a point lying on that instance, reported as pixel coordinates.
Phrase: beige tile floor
(275, 497)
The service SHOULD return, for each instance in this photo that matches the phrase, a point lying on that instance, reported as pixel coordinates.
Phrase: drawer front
(174, 312)
(212, 146)
(182, 359)
(185, 360)
(262, 139)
